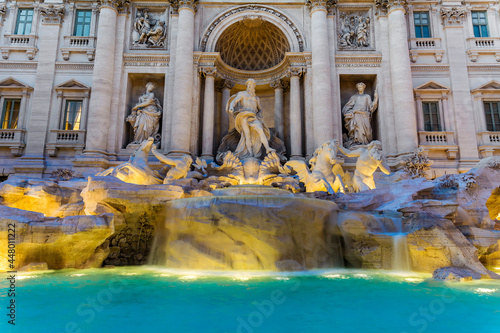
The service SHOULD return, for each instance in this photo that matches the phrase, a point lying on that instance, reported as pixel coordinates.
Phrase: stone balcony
(426, 46)
(439, 142)
(78, 44)
(66, 139)
(13, 139)
(19, 43)
(483, 45)
(488, 142)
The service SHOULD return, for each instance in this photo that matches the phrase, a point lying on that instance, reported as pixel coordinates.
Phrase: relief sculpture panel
(355, 30)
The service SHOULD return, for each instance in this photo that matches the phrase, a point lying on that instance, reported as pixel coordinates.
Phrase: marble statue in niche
(357, 117)
(245, 107)
(148, 31)
(354, 31)
(145, 116)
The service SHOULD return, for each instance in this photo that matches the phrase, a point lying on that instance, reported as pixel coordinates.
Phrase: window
(492, 113)
(479, 24)
(82, 23)
(72, 115)
(24, 21)
(431, 117)
(10, 113)
(421, 20)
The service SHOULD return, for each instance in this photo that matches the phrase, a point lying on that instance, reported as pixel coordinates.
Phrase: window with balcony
(72, 115)
(24, 21)
(10, 113)
(421, 20)
(83, 19)
(432, 121)
(480, 24)
(492, 114)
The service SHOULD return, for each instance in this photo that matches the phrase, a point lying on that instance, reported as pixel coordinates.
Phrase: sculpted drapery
(145, 116)
(357, 115)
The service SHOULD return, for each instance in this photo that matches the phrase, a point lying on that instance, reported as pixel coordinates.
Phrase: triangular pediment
(73, 85)
(492, 85)
(432, 85)
(12, 83)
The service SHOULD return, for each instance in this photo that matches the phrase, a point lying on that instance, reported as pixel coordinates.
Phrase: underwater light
(485, 290)
(413, 280)
(188, 277)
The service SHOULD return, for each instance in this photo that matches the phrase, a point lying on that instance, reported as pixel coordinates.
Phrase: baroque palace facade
(72, 71)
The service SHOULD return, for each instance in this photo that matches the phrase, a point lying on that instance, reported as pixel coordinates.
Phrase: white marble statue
(180, 167)
(358, 114)
(145, 116)
(325, 173)
(136, 170)
(245, 107)
(369, 160)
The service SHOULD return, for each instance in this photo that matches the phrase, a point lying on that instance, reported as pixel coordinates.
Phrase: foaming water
(151, 298)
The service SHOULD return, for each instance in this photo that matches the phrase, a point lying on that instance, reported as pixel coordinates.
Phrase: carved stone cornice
(321, 5)
(453, 17)
(118, 5)
(52, 14)
(177, 5)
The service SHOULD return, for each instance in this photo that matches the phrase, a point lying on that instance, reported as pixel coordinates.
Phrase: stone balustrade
(14, 139)
(426, 46)
(483, 45)
(78, 44)
(66, 139)
(20, 43)
(439, 141)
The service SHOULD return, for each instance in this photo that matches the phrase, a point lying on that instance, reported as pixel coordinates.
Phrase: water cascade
(400, 253)
(248, 228)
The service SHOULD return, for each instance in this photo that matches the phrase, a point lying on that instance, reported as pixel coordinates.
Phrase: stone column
(183, 79)
(453, 22)
(295, 114)
(32, 163)
(208, 113)
(401, 79)
(224, 116)
(279, 120)
(102, 80)
(321, 80)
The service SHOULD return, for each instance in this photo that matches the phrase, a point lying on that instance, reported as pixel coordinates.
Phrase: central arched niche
(252, 44)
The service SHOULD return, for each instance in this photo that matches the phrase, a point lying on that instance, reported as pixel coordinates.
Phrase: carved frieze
(149, 29)
(51, 14)
(453, 17)
(355, 29)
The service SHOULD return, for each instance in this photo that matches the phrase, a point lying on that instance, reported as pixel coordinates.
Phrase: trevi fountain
(252, 220)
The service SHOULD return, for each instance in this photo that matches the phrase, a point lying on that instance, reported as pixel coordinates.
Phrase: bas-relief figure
(148, 32)
(369, 160)
(354, 31)
(357, 116)
(145, 116)
(248, 122)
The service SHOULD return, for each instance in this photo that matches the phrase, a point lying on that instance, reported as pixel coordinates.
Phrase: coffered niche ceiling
(252, 44)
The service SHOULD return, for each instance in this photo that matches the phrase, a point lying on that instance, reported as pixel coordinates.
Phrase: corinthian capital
(453, 17)
(118, 5)
(385, 6)
(208, 71)
(320, 5)
(180, 4)
(51, 14)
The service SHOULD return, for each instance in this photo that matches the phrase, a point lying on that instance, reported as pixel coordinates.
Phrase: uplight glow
(485, 290)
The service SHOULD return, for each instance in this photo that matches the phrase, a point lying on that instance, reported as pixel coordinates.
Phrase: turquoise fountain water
(149, 299)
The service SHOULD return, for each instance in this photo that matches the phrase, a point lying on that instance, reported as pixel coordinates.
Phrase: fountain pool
(160, 300)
